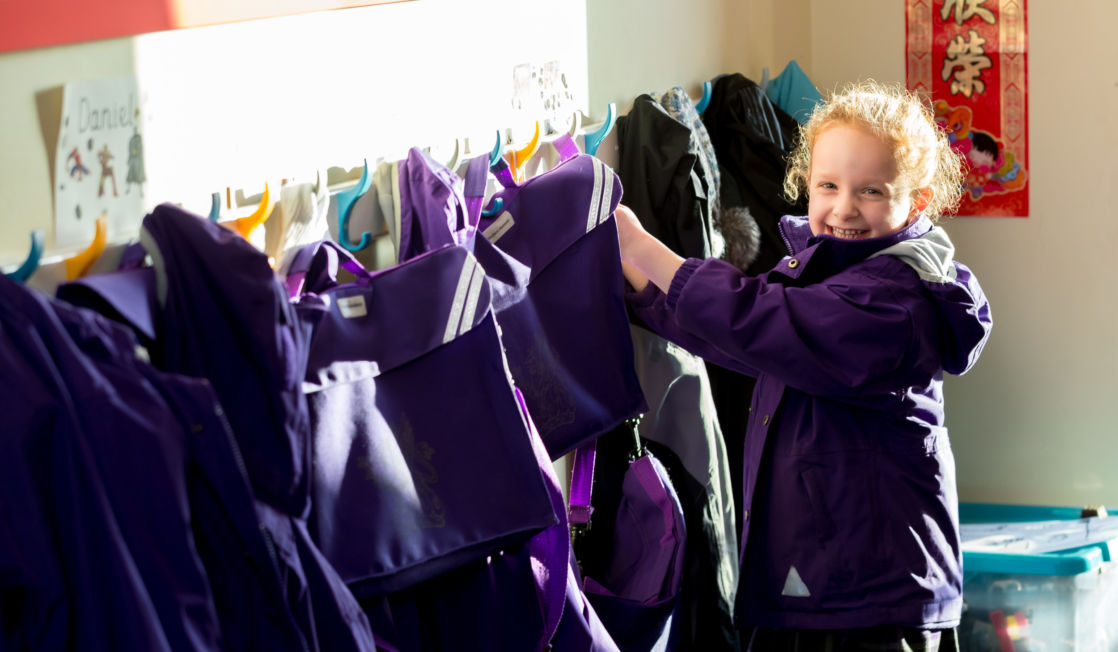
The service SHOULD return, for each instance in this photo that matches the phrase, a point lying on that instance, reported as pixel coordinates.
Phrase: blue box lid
(1071, 561)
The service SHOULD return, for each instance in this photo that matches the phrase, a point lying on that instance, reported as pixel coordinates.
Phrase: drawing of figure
(105, 157)
(135, 163)
(991, 169)
(74, 162)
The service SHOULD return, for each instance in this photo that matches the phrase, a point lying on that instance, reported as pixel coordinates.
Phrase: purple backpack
(525, 598)
(633, 562)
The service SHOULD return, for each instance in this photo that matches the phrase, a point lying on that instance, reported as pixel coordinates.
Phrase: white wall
(631, 52)
(643, 46)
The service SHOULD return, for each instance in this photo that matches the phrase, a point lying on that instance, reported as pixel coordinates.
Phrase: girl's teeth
(846, 233)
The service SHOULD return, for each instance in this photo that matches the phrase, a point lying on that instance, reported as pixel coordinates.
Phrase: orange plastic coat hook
(245, 225)
(518, 157)
(78, 265)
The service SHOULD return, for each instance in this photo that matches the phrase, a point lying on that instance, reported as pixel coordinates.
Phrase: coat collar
(843, 253)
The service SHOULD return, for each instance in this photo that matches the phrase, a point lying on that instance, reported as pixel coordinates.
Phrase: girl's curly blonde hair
(904, 122)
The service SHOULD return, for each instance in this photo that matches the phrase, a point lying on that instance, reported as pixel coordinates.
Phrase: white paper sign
(99, 166)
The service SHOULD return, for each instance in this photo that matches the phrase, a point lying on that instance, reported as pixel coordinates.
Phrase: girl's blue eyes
(827, 185)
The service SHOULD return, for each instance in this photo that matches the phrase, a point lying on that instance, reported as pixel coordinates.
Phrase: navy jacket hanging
(68, 575)
(223, 315)
(660, 168)
(220, 314)
(752, 139)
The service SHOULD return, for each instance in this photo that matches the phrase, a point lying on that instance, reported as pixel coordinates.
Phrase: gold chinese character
(965, 10)
(970, 57)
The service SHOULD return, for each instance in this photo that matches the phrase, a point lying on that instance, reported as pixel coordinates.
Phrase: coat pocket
(852, 546)
(811, 482)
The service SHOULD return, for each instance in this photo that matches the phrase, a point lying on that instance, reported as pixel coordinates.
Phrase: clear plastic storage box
(1064, 600)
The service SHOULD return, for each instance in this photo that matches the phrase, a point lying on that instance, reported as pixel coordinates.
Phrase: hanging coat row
(197, 540)
(276, 495)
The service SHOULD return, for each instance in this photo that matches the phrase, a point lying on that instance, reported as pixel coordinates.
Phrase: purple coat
(849, 499)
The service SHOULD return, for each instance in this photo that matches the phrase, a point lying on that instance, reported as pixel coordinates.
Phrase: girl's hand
(643, 257)
(629, 231)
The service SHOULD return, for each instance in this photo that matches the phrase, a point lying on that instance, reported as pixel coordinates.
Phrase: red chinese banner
(970, 57)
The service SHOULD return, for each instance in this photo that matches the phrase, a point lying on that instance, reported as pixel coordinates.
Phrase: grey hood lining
(932, 255)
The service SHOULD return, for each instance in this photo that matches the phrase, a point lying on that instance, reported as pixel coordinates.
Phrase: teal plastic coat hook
(594, 138)
(705, 99)
(498, 148)
(494, 207)
(215, 207)
(346, 199)
(32, 262)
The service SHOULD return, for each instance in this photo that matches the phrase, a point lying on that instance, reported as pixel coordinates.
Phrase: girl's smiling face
(852, 186)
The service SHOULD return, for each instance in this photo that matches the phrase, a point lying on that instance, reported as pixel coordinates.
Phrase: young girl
(850, 513)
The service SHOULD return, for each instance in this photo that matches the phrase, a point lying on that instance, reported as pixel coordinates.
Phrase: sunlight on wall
(240, 104)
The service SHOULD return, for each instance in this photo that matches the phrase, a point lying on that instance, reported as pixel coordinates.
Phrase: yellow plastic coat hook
(78, 265)
(245, 225)
(518, 157)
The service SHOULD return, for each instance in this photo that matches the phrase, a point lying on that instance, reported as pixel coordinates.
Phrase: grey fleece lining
(932, 256)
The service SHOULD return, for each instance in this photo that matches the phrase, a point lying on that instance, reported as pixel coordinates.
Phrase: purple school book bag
(409, 398)
(551, 256)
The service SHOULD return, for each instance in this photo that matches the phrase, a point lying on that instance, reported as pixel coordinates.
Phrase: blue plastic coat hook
(595, 138)
(705, 100)
(495, 155)
(215, 207)
(32, 263)
(346, 199)
(494, 207)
